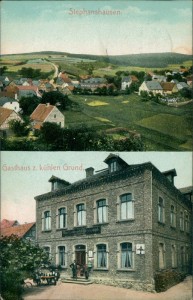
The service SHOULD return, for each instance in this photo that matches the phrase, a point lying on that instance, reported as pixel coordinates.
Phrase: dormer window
(54, 185)
(113, 166)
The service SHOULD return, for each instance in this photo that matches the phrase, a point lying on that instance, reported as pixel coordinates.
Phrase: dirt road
(68, 291)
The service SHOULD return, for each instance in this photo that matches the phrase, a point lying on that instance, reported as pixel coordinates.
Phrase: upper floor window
(187, 223)
(126, 207)
(126, 255)
(101, 256)
(46, 220)
(61, 256)
(81, 214)
(172, 216)
(182, 221)
(62, 217)
(161, 217)
(113, 166)
(101, 211)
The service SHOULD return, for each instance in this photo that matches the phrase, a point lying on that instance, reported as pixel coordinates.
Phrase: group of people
(38, 274)
(84, 270)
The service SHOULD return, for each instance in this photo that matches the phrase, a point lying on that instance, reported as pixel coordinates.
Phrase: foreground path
(67, 291)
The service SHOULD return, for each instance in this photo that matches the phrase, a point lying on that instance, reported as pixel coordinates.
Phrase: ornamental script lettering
(81, 231)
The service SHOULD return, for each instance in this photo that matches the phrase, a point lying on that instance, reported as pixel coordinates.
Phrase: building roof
(19, 230)
(4, 100)
(7, 94)
(187, 190)
(7, 223)
(28, 88)
(182, 84)
(126, 79)
(168, 86)
(4, 114)
(105, 176)
(153, 85)
(41, 112)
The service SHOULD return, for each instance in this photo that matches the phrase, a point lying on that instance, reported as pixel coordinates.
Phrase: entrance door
(80, 255)
(80, 251)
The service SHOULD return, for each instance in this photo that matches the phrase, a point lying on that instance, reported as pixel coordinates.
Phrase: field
(161, 127)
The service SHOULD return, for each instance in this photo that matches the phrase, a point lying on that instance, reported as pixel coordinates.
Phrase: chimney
(89, 172)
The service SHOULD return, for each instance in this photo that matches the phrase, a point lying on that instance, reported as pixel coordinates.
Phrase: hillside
(148, 60)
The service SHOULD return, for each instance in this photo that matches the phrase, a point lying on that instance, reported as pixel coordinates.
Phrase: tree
(30, 73)
(28, 104)
(18, 259)
(19, 128)
(55, 97)
(51, 133)
(186, 93)
(3, 69)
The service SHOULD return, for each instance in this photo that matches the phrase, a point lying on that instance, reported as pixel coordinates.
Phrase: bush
(167, 278)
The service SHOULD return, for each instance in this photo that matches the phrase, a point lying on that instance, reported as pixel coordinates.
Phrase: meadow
(161, 127)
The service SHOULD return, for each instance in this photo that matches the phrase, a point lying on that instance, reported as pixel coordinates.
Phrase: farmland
(161, 127)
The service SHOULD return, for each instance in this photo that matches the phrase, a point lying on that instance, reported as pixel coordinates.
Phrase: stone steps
(82, 281)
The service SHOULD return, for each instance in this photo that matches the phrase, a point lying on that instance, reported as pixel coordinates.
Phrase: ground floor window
(61, 256)
(101, 256)
(161, 256)
(126, 255)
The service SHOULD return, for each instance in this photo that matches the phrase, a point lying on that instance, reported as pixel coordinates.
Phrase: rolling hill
(147, 60)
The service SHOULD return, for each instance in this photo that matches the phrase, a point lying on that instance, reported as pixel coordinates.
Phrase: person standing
(74, 269)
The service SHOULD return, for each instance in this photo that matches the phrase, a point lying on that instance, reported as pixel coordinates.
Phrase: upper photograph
(96, 76)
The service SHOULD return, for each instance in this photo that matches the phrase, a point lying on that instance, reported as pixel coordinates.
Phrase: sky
(67, 26)
(25, 175)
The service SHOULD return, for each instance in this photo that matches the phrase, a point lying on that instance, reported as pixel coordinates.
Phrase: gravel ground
(68, 291)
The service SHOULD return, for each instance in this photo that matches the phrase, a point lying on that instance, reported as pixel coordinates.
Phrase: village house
(126, 222)
(25, 231)
(182, 85)
(8, 223)
(151, 86)
(27, 91)
(127, 81)
(46, 113)
(93, 83)
(159, 78)
(10, 103)
(7, 115)
(169, 87)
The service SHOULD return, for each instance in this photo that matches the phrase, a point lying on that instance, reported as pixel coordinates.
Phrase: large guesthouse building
(126, 221)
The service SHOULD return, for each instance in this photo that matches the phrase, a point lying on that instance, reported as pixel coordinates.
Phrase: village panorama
(56, 101)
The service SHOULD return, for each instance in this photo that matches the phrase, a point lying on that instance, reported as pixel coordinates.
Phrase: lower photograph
(96, 225)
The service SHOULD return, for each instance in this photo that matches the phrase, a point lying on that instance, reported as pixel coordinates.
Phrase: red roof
(7, 223)
(19, 230)
(4, 114)
(41, 112)
(27, 88)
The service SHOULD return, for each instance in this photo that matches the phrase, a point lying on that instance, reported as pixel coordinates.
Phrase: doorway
(80, 257)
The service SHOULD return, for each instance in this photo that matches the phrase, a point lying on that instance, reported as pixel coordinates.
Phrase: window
(81, 215)
(47, 250)
(174, 256)
(113, 166)
(101, 211)
(161, 210)
(101, 256)
(62, 217)
(173, 216)
(61, 255)
(182, 258)
(187, 223)
(161, 256)
(126, 255)
(46, 221)
(126, 207)
(182, 221)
